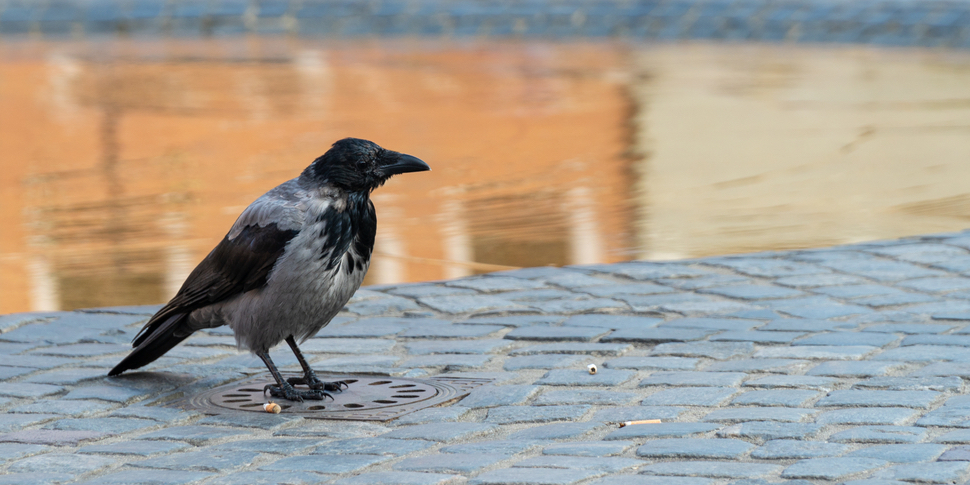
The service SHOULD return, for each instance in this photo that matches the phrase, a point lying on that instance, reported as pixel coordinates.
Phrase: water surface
(124, 162)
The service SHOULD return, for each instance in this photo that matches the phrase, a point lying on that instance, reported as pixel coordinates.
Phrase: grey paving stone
(532, 476)
(108, 393)
(719, 469)
(924, 353)
(823, 352)
(371, 446)
(450, 363)
(450, 462)
(798, 382)
(712, 350)
(880, 434)
(60, 463)
(505, 447)
(953, 416)
(604, 464)
(650, 363)
(655, 335)
(28, 390)
(449, 330)
(759, 414)
(9, 422)
(613, 322)
(82, 350)
(381, 306)
(421, 290)
(798, 450)
(434, 432)
(758, 337)
(723, 379)
(268, 478)
(914, 453)
(780, 366)
(65, 377)
(102, 425)
(545, 361)
(135, 448)
(615, 414)
(690, 396)
(266, 421)
(197, 435)
(807, 325)
(11, 372)
(576, 377)
(11, 451)
(704, 281)
(357, 364)
(660, 430)
(68, 408)
(855, 368)
(51, 437)
(398, 478)
(586, 396)
(587, 448)
(940, 284)
(852, 397)
(651, 480)
(332, 464)
(491, 396)
(149, 477)
(535, 414)
(156, 413)
(957, 453)
(457, 304)
(908, 328)
(895, 300)
(857, 291)
(275, 446)
(780, 397)
(958, 436)
(849, 338)
(515, 320)
(936, 472)
(478, 346)
(574, 348)
(694, 448)
(569, 306)
(347, 346)
(943, 369)
(556, 431)
(942, 384)
(875, 416)
(831, 468)
(767, 430)
(556, 333)
(37, 478)
(495, 283)
(201, 460)
(727, 324)
(364, 329)
(753, 292)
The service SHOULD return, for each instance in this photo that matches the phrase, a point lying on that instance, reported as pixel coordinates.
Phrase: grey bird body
(289, 263)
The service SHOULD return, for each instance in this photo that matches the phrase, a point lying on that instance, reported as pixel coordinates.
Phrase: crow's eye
(361, 163)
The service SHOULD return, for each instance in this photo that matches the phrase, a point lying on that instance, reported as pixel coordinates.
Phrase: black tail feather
(153, 345)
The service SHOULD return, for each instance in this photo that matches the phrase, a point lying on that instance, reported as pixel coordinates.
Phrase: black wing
(235, 266)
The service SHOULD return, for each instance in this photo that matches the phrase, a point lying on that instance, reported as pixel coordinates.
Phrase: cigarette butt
(272, 407)
(642, 421)
(592, 368)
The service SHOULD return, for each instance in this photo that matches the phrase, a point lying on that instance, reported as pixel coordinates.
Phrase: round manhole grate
(365, 398)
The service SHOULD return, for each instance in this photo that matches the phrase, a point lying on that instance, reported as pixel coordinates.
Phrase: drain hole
(413, 390)
(284, 406)
(247, 390)
(402, 385)
(350, 381)
(316, 408)
(236, 395)
(353, 405)
(251, 405)
(380, 383)
(385, 401)
(406, 396)
(238, 400)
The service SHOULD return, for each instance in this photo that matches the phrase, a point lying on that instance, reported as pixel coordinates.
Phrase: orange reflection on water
(125, 162)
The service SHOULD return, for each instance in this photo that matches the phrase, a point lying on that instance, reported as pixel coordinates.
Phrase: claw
(317, 384)
(286, 391)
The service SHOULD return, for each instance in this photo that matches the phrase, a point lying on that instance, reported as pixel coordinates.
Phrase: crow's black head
(360, 165)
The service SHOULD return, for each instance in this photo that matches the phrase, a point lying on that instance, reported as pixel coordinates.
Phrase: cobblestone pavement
(838, 365)
(886, 22)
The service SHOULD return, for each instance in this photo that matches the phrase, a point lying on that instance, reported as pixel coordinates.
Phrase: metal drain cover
(367, 398)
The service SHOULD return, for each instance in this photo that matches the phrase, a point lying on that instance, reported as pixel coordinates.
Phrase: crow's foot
(287, 392)
(313, 382)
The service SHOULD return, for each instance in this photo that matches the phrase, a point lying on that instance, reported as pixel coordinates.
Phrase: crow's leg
(309, 377)
(284, 389)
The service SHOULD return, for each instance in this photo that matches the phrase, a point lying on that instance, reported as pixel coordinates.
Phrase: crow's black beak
(395, 163)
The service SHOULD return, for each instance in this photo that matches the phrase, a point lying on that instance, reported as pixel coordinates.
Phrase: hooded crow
(289, 263)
